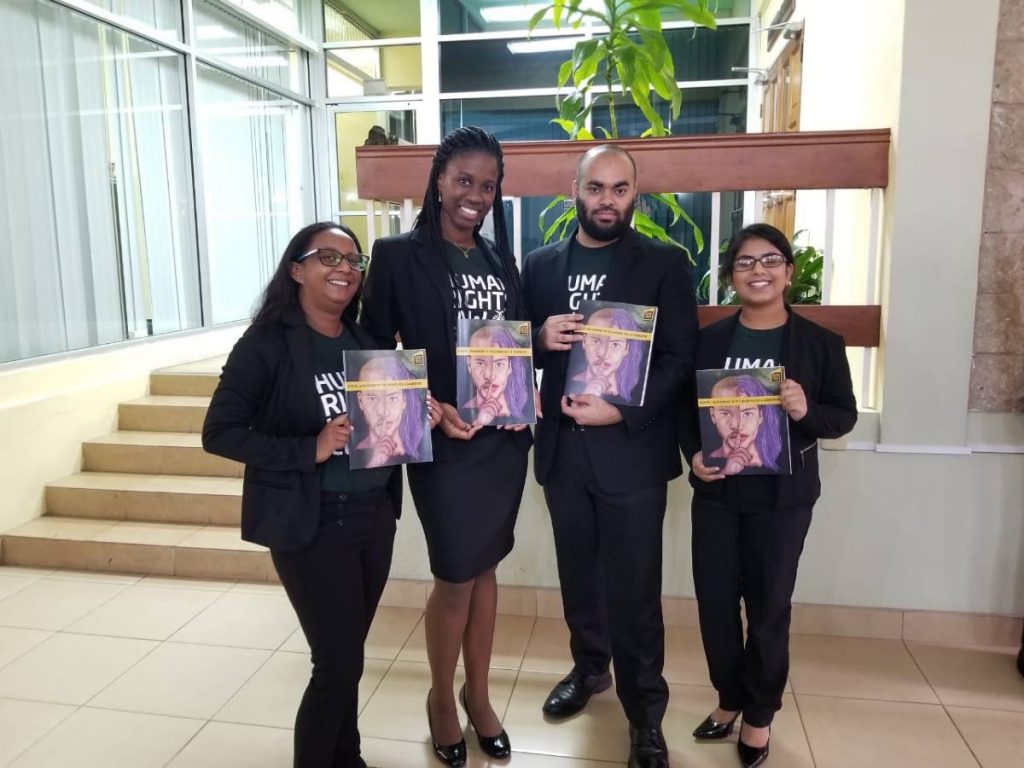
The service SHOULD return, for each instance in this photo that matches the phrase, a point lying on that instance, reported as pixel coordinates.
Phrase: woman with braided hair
(419, 284)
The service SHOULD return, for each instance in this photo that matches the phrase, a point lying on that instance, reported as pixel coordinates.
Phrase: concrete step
(163, 413)
(188, 499)
(155, 453)
(165, 549)
(197, 379)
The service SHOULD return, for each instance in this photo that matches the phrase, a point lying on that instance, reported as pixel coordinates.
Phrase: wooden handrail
(714, 163)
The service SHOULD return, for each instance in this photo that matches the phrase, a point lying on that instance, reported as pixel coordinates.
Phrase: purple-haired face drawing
(613, 364)
(751, 434)
(390, 413)
(500, 383)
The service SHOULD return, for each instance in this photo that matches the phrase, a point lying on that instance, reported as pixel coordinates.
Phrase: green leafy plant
(805, 288)
(631, 57)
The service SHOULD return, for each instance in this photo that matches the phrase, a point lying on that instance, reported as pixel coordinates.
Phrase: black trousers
(608, 547)
(743, 547)
(334, 586)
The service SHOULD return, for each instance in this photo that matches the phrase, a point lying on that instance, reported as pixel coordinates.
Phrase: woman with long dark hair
(748, 531)
(280, 409)
(419, 284)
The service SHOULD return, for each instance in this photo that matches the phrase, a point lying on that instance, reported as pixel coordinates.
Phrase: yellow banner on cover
(619, 333)
(493, 352)
(724, 402)
(366, 386)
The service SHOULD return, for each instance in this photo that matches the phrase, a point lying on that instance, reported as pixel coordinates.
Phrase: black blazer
(641, 450)
(408, 292)
(266, 414)
(815, 357)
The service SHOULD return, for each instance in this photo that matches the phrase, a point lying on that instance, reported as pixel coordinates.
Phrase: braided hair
(470, 138)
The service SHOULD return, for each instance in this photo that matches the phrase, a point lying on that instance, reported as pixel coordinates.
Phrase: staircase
(148, 499)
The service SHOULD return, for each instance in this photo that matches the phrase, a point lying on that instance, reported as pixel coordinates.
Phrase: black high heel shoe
(753, 756)
(449, 754)
(493, 746)
(712, 729)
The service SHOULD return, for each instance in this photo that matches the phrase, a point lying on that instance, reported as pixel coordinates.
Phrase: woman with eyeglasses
(748, 530)
(280, 408)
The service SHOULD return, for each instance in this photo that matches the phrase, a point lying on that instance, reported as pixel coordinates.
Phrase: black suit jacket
(814, 357)
(266, 414)
(408, 292)
(641, 450)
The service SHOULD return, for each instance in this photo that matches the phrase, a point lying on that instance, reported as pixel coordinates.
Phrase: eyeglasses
(332, 258)
(767, 260)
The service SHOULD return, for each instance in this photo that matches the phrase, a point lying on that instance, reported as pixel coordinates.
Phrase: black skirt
(468, 505)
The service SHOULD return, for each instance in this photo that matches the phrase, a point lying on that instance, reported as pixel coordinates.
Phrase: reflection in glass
(293, 16)
(97, 239)
(497, 65)
(236, 42)
(524, 118)
(163, 17)
(353, 20)
(469, 16)
(255, 151)
(377, 71)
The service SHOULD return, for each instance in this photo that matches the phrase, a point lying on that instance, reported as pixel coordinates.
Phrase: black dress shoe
(752, 756)
(494, 746)
(647, 748)
(449, 754)
(712, 729)
(572, 694)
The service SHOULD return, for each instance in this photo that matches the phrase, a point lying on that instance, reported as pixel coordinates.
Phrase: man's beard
(604, 233)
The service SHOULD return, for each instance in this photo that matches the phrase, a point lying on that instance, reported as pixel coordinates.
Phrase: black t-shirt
(479, 292)
(329, 379)
(588, 270)
(750, 348)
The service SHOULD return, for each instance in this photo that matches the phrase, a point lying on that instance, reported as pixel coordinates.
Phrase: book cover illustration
(614, 357)
(387, 407)
(743, 429)
(494, 372)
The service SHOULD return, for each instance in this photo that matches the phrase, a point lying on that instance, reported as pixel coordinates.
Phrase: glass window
(257, 182)
(524, 118)
(236, 42)
(97, 239)
(163, 17)
(497, 65)
(707, 54)
(704, 110)
(377, 71)
(723, 9)
(352, 20)
(292, 16)
(469, 16)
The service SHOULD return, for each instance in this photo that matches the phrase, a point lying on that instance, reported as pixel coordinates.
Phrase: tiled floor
(122, 671)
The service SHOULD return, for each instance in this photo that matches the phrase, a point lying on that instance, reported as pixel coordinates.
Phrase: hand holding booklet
(743, 429)
(387, 402)
(614, 357)
(494, 372)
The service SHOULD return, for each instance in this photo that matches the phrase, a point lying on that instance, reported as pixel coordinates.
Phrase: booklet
(743, 429)
(387, 407)
(494, 372)
(614, 357)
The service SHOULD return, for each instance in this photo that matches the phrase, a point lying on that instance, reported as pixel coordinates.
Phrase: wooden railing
(720, 163)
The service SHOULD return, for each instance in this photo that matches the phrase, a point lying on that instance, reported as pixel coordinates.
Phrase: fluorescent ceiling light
(508, 13)
(544, 45)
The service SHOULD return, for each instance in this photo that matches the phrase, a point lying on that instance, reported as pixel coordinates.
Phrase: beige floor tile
(688, 705)
(220, 537)
(11, 584)
(548, 649)
(972, 677)
(600, 732)
(844, 621)
(857, 668)
(853, 733)
(296, 643)
(390, 631)
(549, 604)
(14, 642)
(224, 564)
(205, 367)
(54, 603)
(271, 696)
(22, 723)
(70, 669)
(398, 707)
(220, 745)
(531, 760)
(684, 657)
(99, 481)
(387, 753)
(152, 613)
(182, 680)
(96, 738)
(24, 572)
(402, 593)
(259, 589)
(243, 620)
(177, 582)
(71, 574)
(996, 738)
(511, 636)
(518, 601)
(679, 611)
(155, 534)
(73, 528)
(944, 628)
